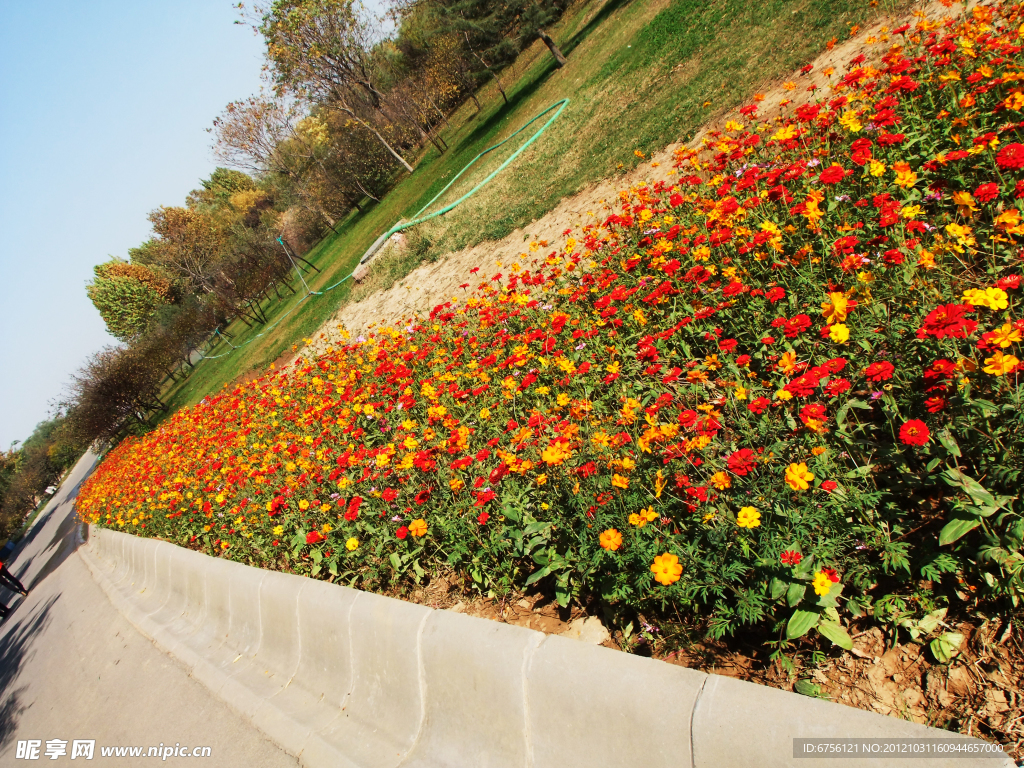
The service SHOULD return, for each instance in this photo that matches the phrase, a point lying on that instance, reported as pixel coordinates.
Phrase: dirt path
(435, 283)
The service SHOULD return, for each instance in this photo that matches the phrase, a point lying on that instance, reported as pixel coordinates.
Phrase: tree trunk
(363, 190)
(559, 57)
(383, 141)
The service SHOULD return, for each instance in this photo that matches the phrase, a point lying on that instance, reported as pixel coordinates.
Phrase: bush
(784, 392)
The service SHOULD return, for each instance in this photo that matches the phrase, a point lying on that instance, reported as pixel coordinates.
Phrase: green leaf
(396, 561)
(795, 594)
(973, 488)
(800, 623)
(836, 633)
(777, 588)
(946, 646)
(807, 688)
(949, 442)
(317, 556)
(538, 575)
(957, 527)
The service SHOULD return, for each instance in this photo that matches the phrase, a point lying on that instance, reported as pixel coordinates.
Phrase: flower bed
(785, 390)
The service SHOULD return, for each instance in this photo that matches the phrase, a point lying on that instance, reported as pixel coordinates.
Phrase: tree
(127, 296)
(321, 49)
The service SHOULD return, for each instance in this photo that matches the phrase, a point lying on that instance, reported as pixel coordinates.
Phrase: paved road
(71, 667)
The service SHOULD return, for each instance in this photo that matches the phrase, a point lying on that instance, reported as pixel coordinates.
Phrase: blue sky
(103, 111)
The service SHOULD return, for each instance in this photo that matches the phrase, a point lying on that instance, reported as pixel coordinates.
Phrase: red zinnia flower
(831, 574)
(742, 462)
(935, 404)
(314, 537)
(879, 371)
(829, 485)
(986, 192)
(402, 532)
(914, 432)
(758, 405)
(1011, 157)
(482, 518)
(791, 557)
(948, 320)
(832, 175)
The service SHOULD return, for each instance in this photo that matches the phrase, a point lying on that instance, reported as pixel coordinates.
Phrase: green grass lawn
(640, 75)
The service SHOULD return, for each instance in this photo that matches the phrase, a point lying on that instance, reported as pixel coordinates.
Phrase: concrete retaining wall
(344, 678)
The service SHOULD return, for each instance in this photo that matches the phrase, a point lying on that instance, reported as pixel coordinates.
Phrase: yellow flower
(278, 530)
(904, 176)
(822, 584)
(850, 122)
(667, 569)
(352, 544)
(1005, 336)
(1000, 364)
(996, 298)
(785, 134)
(788, 362)
(555, 454)
(839, 333)
(721, 480)
(418, 527)
(610, 539)
(798, 477)
(783, 395)
(876, 167)
(748, 517)
(836, 308)
(303, 504)
(456, 484)
(993, 298)
(740, 393)
(542, 479)
(485, 414)
(910, 211)
(619, 481)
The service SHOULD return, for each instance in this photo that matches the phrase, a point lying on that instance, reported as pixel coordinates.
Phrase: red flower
(1009, 283)
(390, 494)
(986, 192)
(914, 432)
(1011, 157)
(758, 405)
(791, 557)
(837, 387)
(422, 497)
(797, 325)
(892, 257)
(314, 537)
(815, 411)
(482, 518)
(881, 371)
(935, 404)
(831, 574)
(832, 175)
(402, 532)
(742, 462)
(948, 320)
(829, 485)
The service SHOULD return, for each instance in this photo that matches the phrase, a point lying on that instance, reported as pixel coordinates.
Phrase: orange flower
(667, 569)
(610, 539)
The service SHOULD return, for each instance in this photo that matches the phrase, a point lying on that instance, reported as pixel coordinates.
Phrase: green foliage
(127, 296)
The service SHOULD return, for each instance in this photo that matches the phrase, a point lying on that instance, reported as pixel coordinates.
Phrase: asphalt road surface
(73, 668)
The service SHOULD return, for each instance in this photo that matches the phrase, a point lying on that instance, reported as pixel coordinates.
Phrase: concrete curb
(339, 677)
